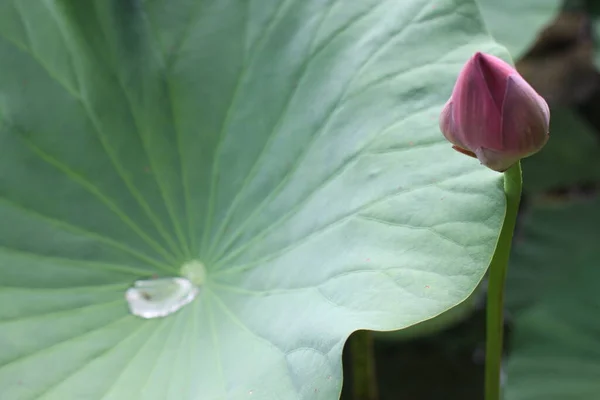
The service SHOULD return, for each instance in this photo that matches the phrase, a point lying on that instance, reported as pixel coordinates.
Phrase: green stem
(497, 277)
(363, 366)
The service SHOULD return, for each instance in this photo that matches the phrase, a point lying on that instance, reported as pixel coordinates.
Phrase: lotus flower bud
(494, 115)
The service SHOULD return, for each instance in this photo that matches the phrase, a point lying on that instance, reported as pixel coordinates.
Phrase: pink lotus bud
(494, 115)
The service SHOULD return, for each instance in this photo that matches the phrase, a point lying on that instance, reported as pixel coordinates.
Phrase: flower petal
(447, 125)
(496, 160)
(526, 119)
(476, 115)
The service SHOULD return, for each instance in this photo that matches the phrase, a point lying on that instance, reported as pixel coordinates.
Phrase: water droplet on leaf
(154, 298)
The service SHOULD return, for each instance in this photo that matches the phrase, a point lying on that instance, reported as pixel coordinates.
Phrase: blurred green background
(552, 325)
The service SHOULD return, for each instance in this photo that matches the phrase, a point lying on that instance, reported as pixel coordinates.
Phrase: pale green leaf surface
(553, 288)
(291, 146)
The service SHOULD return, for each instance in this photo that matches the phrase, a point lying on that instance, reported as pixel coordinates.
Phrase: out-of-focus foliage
(570, 157)
(516, 23)
(553, 284)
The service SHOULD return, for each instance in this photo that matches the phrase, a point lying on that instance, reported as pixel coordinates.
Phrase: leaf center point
(194, 271)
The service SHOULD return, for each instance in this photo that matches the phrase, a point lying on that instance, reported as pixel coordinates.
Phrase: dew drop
(155, 298)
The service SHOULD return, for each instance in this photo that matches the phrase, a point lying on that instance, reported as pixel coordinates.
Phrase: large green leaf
(554, 287)
(444, 321)
(291, 147)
